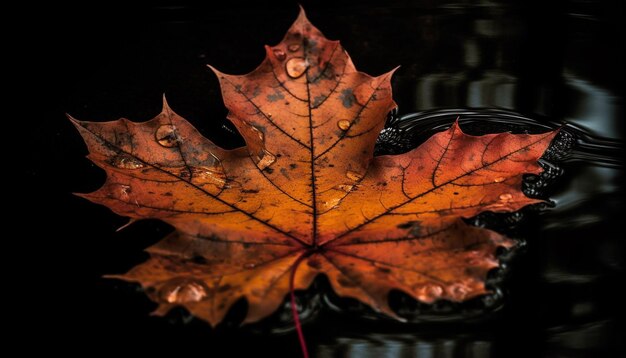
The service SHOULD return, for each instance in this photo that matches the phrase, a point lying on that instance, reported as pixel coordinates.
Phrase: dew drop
(458, 291)
(474, 258)
(506, 197)
(499, 179)
(280, 54)
(125, 191)
(259, 133)
(293, 47)
(344, 124)
(430, 292)
(183, 291)
(166, 136)
(249, 266)
(125, 161)
(296, 67)
(353, 175)
(332, 203)
(266, 160)
(345, 187)
(209, 175)
(434, 290)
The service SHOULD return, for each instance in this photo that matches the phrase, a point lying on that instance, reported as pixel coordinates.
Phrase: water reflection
(380, 345)
(490, 70)
(562, 341)
(592, 107)
(574, 249)
(484, 58)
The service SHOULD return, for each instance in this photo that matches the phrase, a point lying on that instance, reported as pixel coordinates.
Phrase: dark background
(557, 60)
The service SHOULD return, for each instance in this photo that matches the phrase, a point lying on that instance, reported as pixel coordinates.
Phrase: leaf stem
(294, 308)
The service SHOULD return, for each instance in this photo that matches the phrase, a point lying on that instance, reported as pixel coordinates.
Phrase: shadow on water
(499, 66)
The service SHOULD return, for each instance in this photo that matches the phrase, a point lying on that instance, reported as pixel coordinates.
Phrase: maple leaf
(306, 196)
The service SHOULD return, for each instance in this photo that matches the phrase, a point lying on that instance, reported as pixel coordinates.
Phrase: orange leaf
(306, 188)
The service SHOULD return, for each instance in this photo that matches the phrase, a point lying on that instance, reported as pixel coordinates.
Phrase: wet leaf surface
(306, 192)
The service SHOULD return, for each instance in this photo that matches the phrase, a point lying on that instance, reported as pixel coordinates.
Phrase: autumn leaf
(306, 196)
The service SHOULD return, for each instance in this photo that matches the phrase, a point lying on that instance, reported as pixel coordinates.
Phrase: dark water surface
(518, 66)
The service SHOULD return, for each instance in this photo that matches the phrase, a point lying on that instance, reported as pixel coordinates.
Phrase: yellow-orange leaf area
(306, 191)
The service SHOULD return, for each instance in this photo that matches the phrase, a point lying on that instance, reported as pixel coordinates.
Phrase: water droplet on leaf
(206, 175)
(258, 132)
(124, 191)
(183, 291)
(332, 203)
(353, 175)
(293, 47)
(125, 161)
(430, 292)
(249, 266)
(506, 197)
(345, 187)
(344, 124)
(266, 160)
(296, 67)
(499, 179)
(166, 136)
(458, 291)
(280, 54)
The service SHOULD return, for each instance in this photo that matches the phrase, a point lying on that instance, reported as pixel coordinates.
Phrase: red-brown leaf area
(307, 191)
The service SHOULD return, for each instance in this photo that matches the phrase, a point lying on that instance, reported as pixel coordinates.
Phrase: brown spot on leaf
(347, 97)
(314, 263)
(224, 288)
(346, 282)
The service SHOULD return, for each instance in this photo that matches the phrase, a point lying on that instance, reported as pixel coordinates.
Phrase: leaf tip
(165, 106)
(456, 126)
(555, 132)
(301, 14)
(81, 195)
(386, 310)
(386, 77)
(161, 311)
(115, 277)
(400, 319)
(74, 121)
(129, 223)
(213, 69)
(303, 26)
